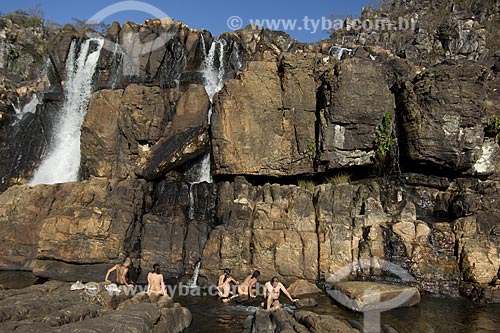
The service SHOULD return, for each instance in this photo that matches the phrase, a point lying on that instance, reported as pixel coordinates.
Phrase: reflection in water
(433, 314)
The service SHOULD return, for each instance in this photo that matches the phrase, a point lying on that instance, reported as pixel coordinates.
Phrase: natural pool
(432, 314)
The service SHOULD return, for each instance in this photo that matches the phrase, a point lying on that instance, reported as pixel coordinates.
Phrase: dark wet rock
(323, 323)
(305, 303)
(263, 322)
(388, 329)
(447, 104)
(347, 126)
(22, 142)
(175, 232)
(299, 322)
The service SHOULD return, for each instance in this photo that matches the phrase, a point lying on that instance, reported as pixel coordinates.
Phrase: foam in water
(30, 107)
(62, 163)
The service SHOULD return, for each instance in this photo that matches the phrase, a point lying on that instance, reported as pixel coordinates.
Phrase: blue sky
(306, 19)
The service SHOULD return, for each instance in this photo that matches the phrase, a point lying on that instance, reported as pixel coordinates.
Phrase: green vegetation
(82, 25)
(311, 149)
(32, 17)
(341, 178)
(493, 128)
(384, 138)
(306, 184)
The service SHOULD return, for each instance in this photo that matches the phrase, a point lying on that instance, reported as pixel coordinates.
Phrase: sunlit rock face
(418, 138)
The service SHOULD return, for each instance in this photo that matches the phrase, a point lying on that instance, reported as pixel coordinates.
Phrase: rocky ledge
(54, 307)
(364, 296)
(299, 322)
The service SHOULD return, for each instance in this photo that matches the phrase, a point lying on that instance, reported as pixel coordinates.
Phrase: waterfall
(193, 282)
(213, 73)
(29, 107)
(339, 51)
(62, 162)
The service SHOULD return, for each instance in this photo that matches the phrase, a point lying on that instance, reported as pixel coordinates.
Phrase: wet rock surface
(298, 322)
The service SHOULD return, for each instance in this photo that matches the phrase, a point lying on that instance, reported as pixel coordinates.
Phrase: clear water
(432, 314)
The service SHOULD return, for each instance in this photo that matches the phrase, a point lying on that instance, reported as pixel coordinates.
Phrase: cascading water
(213, 74)
(30, 107)
(62, 162)
(193, 282)
(339, 51)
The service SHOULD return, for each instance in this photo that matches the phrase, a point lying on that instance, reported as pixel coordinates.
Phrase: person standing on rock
(247, 286)
(224, 285)
(272, 294)
(156, 283)
(121, 272)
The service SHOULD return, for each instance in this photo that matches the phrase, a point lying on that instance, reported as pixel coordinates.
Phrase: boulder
(446, 104)
(299, 322)
(67, 225)
(370, 296)
(143, 130)
(479, 258)
(264, 96)
(305, 303)
(352, 101)
(322, 323)
(302, 287)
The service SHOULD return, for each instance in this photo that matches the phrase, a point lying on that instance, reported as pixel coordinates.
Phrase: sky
(306, 20)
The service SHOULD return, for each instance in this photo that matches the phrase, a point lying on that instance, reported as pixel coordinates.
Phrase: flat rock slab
(363, 296)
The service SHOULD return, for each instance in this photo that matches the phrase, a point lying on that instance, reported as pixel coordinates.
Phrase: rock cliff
(416, 133)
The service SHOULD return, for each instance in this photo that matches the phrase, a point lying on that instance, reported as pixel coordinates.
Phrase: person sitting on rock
(272, 294)
(156, 283)
(121, 272)
(247, 287)
(224, 285)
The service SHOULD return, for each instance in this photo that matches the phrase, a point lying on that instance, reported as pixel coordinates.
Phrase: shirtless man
(121, 272)
(246, 287)
(272, 294)
(224, 285)
(156, 284)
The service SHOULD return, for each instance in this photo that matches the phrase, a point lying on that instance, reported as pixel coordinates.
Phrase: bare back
(155, 283)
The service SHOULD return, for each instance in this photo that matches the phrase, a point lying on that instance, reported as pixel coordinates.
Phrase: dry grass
(341, 178)
(306, 184)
